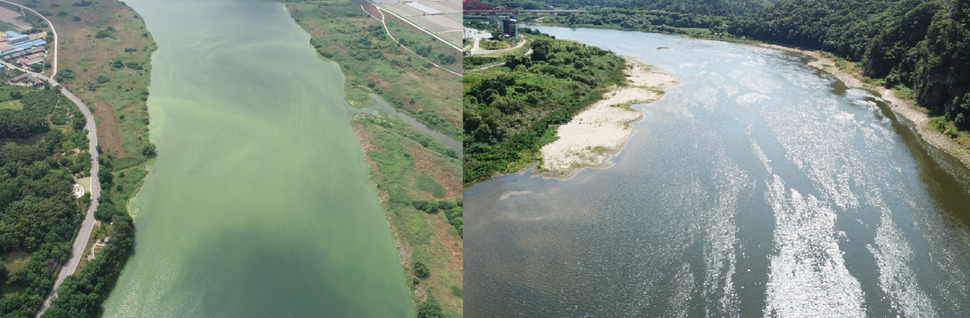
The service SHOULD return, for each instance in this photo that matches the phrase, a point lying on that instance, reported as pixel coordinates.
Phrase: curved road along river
(81, 240)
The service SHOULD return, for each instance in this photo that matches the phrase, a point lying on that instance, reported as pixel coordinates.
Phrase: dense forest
(43, 148)
(82, 294)
(918, 46)
(512, 110)
(702, 7)
(38, 214)
(646, 20)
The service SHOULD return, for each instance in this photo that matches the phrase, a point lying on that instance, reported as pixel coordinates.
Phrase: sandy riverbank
(603, 128)
(906, 108)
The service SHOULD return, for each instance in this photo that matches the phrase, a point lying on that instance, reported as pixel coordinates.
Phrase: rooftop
(19, 77)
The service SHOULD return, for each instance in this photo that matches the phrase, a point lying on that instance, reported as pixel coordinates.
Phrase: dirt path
(488, 67)
(478, 50)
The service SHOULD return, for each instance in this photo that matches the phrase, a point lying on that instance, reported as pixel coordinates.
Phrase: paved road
(84, 234)
(81, 240)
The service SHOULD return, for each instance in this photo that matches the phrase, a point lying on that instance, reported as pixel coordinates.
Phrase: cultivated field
(11, 17)
(443, 19)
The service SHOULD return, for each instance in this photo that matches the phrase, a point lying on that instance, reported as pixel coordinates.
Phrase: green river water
(259, 204)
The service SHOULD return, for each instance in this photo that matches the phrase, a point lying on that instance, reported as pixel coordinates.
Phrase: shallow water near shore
(759, 187)
(259, 203)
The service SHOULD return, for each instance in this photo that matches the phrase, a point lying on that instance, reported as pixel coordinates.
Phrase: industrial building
(14, 45)
(27, 80)
(510, 27)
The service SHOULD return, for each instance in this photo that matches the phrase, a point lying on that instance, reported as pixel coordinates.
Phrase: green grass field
(12, 104)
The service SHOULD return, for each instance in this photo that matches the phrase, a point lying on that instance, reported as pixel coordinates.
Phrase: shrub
(430, 308)
(446, 205)
(423, 205)
(421, 270)
(105, 212)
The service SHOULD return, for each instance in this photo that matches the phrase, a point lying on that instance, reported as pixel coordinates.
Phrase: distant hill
(706, 7)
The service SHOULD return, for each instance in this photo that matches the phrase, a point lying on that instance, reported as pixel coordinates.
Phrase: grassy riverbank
(421, 195)
(416, 176)
(104, 58)
(375, 64)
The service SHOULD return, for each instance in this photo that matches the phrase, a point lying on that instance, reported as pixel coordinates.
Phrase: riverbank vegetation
(43, 149)
(512, 110)
(415, 175)
(417, 178)
(919, 48)
(375, 64)
(104, 58)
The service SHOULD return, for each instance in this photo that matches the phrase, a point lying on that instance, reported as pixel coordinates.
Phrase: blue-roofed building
(11, 34)
(18, 39)
(12, 51)
(29, 44)
(2, 67)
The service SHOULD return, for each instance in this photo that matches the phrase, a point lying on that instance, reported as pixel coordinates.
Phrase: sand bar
(603, 128)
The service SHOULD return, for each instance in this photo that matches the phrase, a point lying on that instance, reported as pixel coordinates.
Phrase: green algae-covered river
(259, 204)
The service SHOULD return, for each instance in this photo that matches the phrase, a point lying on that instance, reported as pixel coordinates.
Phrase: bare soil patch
(12, 17)
(427, 165)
